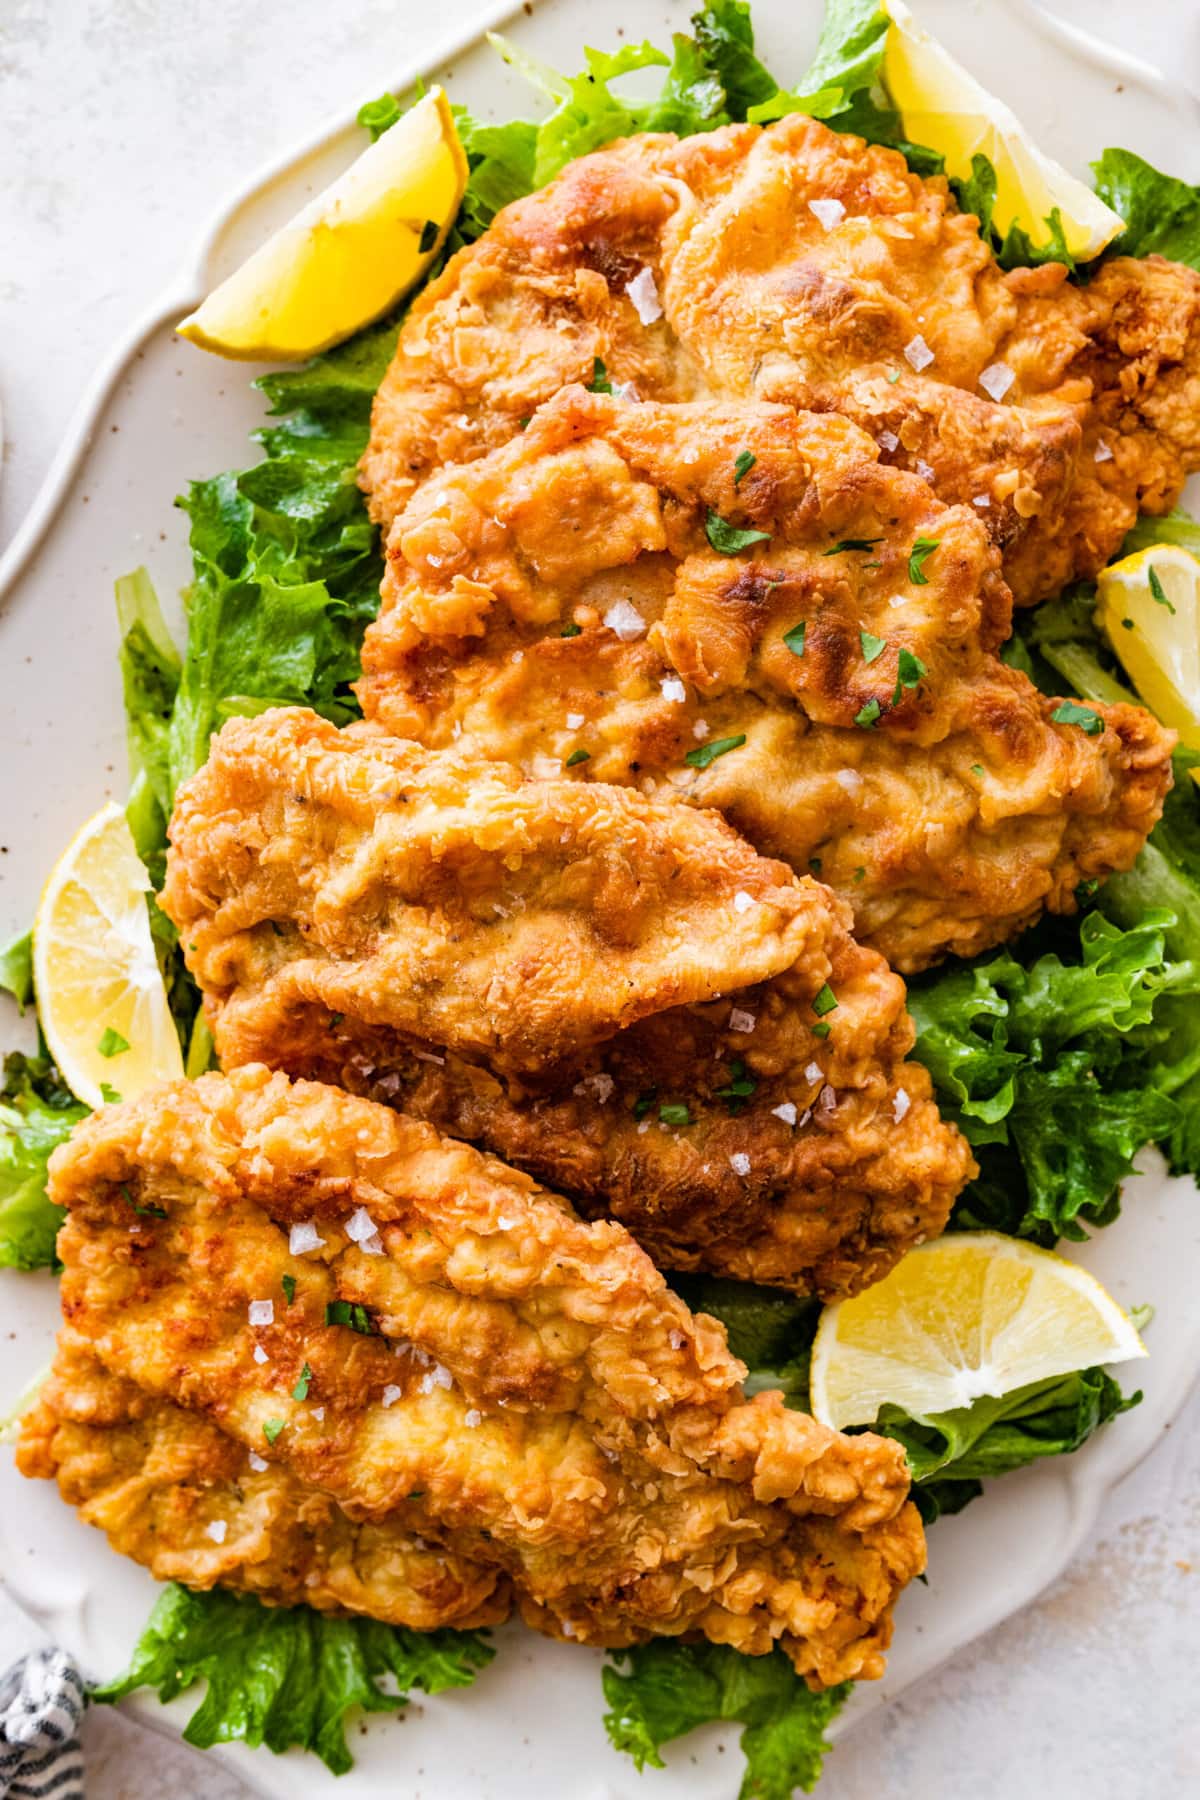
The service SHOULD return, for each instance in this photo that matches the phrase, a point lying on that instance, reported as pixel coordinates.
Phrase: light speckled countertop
(124, 122)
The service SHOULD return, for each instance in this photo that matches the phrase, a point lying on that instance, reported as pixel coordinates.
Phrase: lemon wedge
(101, 1000)
(1149, 604)
(946, 109)
(970, 1314)
(352, 252)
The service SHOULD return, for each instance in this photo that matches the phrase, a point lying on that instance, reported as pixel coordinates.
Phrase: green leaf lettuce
(37, 1113)
(660, 1690)
(287, 1676)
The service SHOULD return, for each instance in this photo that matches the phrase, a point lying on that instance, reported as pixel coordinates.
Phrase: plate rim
(1087, 1482)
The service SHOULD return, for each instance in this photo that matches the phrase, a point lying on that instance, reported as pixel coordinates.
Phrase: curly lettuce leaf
(37, 1113)
(663, 1689)
(711, 79)
(16, 969)
(287, 1676)
(951, 1454)
(845, 77)
(1161, 213)
(1060, 642)
(1050, 1064)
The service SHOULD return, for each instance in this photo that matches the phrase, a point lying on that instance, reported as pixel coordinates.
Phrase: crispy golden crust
(761, 301)
(533, 1399)
(160, 1480)
(948, 816)
(613, 908)
(314, 900)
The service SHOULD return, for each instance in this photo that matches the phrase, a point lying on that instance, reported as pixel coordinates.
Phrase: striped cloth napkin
(41, 1703)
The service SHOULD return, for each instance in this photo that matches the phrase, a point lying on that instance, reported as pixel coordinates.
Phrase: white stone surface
(123, 123)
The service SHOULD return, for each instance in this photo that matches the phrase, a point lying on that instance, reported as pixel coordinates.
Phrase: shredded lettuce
(1161, 213)
(660, 1690)
(37, 1112)
(287, 1676)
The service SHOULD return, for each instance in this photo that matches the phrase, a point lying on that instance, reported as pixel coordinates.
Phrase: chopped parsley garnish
(1159, 592)
(729, 539)
(644, 1102)
(977, 768)
(872, 646)
(675, 1112)
(351, 1313)
(152, 1212)
(860, 874)
(571, 629)
(868, 716)
(893, 376)
(794, 639)
(112, 1043)
(1086, 889)
(910, 673)
(1128, 624)
(577, 756)
(429, 233)
(920, 553)
(821, 1031)
(1068, 713)
(272, 1429)
(739, 1087)
(288, 1284)
(844, 544)
(300, 1391)
(825, 1001)
(109, 1094)
(814, 863)
(599, 384)
(704, 754)
(745, 462)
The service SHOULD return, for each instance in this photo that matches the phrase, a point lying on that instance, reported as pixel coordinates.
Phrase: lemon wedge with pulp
(946, 109)
(352, 252)
(1149, 605)
(970, 1314)
(101, 1000)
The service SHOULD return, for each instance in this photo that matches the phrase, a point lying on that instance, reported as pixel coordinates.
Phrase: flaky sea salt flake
(625, 621)
(917, 353)
(827, 212)
(643, 291)
(996, 380)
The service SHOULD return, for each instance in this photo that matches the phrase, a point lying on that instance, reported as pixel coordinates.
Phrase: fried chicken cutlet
(1058, 410)
(826, 677)
(175, 1492)
(514, 1388)
(409, 924)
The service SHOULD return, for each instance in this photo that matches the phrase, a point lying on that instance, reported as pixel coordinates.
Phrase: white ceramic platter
(160, 413)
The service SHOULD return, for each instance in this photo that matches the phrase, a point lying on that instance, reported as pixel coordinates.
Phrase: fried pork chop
(1057, 410)
(523, 1397)
(832, 688)
(432, 931)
